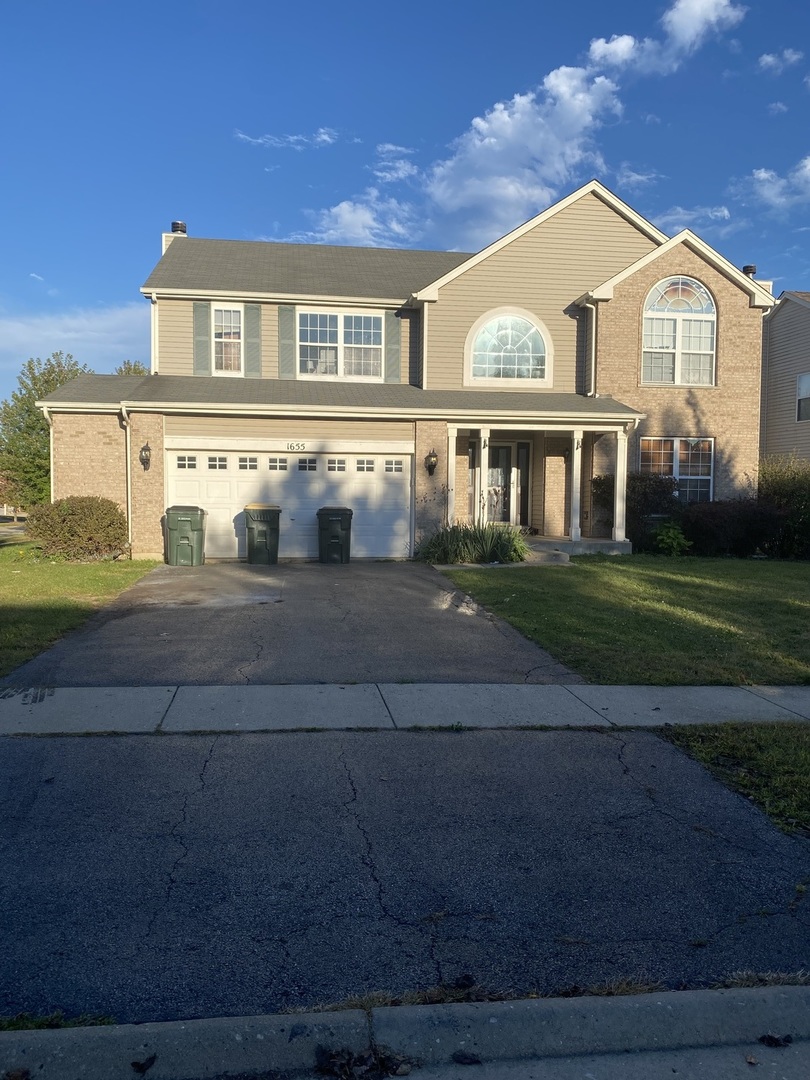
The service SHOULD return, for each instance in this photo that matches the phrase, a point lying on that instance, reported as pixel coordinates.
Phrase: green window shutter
(253, 341)
(393, 347)
(286, 342)
(202, 339)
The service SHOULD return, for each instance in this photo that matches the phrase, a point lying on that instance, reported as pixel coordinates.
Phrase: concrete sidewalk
(381, 706)
(703, 1035)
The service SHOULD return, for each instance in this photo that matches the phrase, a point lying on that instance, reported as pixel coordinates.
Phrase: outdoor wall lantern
(145, 456)
(431, 461)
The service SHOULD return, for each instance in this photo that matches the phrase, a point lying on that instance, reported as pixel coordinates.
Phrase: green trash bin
(185, 536)
(334, 534)
(261, 523)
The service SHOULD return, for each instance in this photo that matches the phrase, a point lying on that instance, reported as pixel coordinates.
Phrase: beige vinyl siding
(175, 337)
(544, 271)
(409, 343)
(788, 356)
(231, 427)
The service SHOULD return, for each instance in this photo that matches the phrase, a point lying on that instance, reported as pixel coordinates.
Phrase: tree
(131, 367)
(25, 460)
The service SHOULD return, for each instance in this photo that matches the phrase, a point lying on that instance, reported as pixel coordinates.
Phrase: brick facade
(89, 456)
(148, 494)
(430, 491)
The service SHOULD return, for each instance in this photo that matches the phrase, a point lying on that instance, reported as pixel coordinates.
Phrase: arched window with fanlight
(680, 321)
(509, 347)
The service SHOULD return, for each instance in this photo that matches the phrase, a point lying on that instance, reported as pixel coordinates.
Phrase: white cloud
(628, 177)
(392, 164)
(366, 221)
(324, 136)
(775, 63)
(695, 218)
(99, 337)
(36, 277)
(774, 191)
(777, 107)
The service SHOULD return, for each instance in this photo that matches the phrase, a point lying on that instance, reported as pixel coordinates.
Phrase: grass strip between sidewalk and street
(653, 620)
(42, 599)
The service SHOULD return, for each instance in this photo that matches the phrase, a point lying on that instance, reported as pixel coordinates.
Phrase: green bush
(738, 527)
(649, 496)
(80, 527)
(784, 484)
(474, 544)
(669, 539)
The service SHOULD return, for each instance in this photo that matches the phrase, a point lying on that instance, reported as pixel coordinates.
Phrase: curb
(428, 1034)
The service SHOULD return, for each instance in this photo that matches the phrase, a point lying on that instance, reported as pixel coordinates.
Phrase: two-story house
(419, 387)
(786, 377)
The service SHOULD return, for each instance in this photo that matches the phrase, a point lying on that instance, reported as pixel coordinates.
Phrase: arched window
(679, 334)
(508, 347)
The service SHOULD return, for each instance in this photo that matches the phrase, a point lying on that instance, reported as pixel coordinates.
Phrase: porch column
(452, 433)
(480, 486)
(620, 486)
(575, 528)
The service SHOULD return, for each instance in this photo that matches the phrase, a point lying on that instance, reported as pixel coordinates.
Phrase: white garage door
(376, 487)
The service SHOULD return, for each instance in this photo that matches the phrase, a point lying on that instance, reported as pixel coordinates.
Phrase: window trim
(341, 313)
(215, 307)
(526, 385)
(679, 317)
(676, 440)
(802, 397)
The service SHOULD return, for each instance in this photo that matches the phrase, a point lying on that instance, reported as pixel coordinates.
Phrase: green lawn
(41, 600)
(646, 619)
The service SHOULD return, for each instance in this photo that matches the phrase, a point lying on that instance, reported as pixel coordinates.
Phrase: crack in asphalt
(175, 835)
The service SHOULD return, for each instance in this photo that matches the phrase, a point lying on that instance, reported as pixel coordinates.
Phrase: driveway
(228, 624)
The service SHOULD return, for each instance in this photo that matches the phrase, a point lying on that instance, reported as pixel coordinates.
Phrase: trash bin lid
(185, 510)
(262, 506)
(335, 510)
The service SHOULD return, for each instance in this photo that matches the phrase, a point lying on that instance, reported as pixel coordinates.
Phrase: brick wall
(461, 512)
(89, 457)
(556, 488)
(148, 492)
(727, 411)
(430, 491)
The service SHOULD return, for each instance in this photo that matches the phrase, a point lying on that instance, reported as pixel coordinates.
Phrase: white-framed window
(277, 464)
(508, 348)
(340, 345)
(803, 396)
(365, 464)
(249, 463)
(227, 326)
(690, 461)
(186, 461)
(680, 323)
(217, 463)
(307, 464)
(336, 464)
(392, 465)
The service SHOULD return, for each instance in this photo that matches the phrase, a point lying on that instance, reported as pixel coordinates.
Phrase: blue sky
(368, 123)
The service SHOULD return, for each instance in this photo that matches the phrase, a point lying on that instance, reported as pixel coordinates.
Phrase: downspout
(49, 422)
(155, 365)
(591, 390)
(128, 442)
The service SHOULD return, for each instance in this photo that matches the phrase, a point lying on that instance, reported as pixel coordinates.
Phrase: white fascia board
(759, 296)
(276, 298)
(79, 406)
(431, 292)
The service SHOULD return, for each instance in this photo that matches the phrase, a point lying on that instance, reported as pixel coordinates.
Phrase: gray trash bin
(334, 534)
(261, 522)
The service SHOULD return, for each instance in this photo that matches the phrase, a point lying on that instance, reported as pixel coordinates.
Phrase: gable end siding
(788, 351)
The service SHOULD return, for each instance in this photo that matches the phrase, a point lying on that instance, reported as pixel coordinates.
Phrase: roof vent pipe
(749, 270)
(180, 227)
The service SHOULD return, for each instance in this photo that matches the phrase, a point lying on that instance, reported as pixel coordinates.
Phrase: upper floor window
(509, 347)
(227, 336)
(803, 397)
(340, 346)
(679, 334)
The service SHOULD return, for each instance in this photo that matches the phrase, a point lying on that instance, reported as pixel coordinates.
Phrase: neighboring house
(786, 377)
(420, 387)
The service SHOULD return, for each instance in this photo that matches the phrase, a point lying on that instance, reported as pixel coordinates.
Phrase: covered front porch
(538, 477)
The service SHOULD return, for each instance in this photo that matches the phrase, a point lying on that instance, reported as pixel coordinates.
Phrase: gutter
(49, 422)
(591, 390)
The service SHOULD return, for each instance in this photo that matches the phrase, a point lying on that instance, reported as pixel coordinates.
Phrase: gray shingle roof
(250, 266)
(175, 391)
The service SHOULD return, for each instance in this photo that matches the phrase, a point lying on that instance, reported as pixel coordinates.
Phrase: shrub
(784, 485)
(475, 544)
(80, 527)
(669, 539)
(738, 527)
(649, 496)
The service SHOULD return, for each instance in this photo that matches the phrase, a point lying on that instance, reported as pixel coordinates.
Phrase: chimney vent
(749, 270)
(180, 227)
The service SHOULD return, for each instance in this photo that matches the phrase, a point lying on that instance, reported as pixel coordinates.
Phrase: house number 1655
(296, 446)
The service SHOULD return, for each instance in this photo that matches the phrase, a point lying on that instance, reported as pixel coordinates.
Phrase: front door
(499, 482)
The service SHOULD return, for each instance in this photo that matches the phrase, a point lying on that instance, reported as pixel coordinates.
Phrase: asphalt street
(160, 877)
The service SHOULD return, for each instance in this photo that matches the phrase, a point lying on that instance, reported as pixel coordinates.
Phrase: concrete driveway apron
(229, 624)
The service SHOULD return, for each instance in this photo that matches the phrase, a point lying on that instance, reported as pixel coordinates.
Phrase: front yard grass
(42, 599)
(768, 763)
(646, 619)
